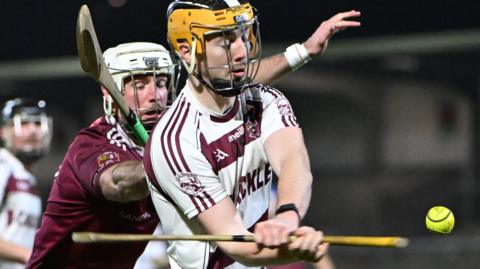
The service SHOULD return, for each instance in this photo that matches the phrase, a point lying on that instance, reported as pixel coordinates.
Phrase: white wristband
(297, 55)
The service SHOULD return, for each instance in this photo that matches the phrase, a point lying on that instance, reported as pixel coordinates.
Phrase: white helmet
(139, 58)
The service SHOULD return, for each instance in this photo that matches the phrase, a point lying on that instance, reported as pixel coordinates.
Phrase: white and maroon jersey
(195, 158)
(20, 204)
(76, 203)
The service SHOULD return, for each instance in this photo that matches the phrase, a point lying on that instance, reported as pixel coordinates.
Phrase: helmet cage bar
(168, 71)
(173, 92)
(138, 110)
(250, 35)
(45, 129)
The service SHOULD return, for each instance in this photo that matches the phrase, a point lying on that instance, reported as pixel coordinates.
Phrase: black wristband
(289, 207)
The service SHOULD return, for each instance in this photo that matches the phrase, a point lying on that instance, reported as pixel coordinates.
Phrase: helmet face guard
(249, 34)
(196, 24)
(130, 60)
(36, 144)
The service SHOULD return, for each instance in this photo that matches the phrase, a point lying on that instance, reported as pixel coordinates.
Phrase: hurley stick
(366, 241)
(93, 64)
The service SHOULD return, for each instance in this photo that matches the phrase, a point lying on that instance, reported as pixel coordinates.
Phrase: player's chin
(149, 121)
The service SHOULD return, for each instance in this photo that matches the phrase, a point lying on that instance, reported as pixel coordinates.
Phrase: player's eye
(161, 83)
(34, 122)
(139, 85)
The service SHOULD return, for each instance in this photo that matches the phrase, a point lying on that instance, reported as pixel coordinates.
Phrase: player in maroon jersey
(100, 186)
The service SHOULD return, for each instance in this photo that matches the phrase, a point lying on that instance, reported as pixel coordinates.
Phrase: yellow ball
(440, 219)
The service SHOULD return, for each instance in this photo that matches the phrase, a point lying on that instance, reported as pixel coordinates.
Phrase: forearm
(295, 182)
(125, 182)
(251, 255)
(272, 68)
(273, 250)
(14, 253)
(307, 247)
(325, 263)
(246, 253)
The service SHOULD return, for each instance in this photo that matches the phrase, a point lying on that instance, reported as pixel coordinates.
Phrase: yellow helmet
(193, 20)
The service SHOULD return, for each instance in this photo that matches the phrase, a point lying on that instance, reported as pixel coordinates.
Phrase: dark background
(46, 28)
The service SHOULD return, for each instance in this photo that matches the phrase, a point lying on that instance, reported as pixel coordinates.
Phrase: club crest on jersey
(189, 183)
(107, 158)
(284, 107)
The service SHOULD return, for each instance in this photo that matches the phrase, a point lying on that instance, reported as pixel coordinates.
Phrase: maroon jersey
(76, 203)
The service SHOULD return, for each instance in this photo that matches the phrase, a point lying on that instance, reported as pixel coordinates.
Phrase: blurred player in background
(208, 159)
(25, 130)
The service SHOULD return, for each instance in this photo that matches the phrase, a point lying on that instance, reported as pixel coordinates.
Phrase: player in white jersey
(26, 133)
(209, 157)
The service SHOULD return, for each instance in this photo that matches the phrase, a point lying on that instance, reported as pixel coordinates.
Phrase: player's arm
(14, 253)
(124, 182)
(274, 67)
(291, 164)
(224, 219)
(325, 263)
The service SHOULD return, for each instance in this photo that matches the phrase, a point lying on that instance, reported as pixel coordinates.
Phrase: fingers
(342, 25)
(317, 43)
(271, 234)
(339, 21)
(346, 15)
(308, 245)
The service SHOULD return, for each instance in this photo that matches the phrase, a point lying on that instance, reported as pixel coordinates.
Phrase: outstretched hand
(317, 43)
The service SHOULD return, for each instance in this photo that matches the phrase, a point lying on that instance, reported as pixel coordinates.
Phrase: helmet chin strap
(215, 84)
(232, 88)
(221, 84)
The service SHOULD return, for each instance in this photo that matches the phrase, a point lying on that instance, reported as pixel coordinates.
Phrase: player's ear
(104, 91)
(2, 134)
(184, 50)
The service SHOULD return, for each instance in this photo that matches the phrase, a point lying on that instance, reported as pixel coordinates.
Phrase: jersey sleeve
(5, 173)
(277, 112)
(92, 156)
(183, 174)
